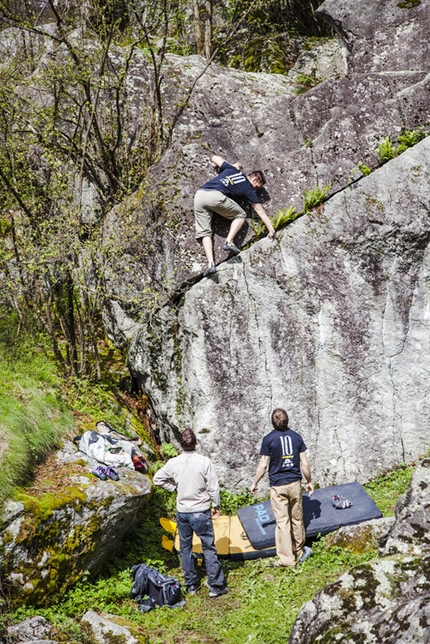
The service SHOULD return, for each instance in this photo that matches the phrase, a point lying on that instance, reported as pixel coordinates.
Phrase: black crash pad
(319, 514)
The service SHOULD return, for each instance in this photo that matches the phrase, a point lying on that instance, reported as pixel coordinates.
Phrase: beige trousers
(208, 201)
(290, 535)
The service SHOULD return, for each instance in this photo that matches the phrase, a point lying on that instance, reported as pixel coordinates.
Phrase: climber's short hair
(188, 440)
(259, 174)
(280, 419)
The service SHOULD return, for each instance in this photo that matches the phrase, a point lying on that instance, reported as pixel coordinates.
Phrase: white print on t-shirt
(233, 179)
(287, 451)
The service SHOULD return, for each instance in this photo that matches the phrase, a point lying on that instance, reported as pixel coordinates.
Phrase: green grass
(386, 489)
(34, 417)
(33, 414)
(35, 402)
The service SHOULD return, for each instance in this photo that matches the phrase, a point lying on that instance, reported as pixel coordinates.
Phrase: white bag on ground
(106, 450)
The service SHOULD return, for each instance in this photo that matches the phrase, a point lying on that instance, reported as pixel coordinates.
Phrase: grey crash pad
(319, 514)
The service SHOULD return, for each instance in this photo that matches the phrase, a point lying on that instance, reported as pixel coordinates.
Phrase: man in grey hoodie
(193, 477)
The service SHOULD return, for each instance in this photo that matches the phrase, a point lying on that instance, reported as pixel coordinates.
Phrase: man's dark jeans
(201, 524)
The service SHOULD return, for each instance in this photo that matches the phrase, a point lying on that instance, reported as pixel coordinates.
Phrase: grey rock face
(330, 322)
(411, 532)
(386, 600)
(376, 84)
(30, 630)
(49, 539)
(104, 629)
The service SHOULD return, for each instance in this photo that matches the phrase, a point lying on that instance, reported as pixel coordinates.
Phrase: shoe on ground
(100, 472)
(216, 591)
(231, 248)
(307, 552)
(112, 474)
(278, 564)
(210, 270)
(192, 590)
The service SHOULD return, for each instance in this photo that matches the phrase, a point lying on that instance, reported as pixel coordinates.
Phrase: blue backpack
(158, 589)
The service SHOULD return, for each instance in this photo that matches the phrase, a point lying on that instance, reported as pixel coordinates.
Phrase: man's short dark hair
(188, 440)
(259, 174)
(280, 419)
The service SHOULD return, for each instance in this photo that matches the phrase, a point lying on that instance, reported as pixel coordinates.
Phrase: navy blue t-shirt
(232, 183)
(284, 449)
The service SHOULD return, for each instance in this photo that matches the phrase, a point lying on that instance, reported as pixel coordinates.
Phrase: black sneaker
(231, 248)
(192, 590)
(210, 270)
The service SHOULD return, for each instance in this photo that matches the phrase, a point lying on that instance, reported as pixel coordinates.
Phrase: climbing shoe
(231, 248)
(210, 270)
(112, 474)
(100, 472)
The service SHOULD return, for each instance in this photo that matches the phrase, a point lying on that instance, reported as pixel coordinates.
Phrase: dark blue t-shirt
(232, 183)
(284, 449)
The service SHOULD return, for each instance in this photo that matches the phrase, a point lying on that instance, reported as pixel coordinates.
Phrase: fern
(284, 217)
(385, 151)
(409, 138)
(314, 196)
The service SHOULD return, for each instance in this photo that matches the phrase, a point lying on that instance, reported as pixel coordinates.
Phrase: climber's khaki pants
(287, 508)
(208, 201)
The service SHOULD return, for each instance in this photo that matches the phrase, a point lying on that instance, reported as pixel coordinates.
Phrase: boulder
(410, 534)
(361, 537)
(105, 629)
(329, 321)
(66, 524)
(31, 630)
(370, 84)
(385, 600)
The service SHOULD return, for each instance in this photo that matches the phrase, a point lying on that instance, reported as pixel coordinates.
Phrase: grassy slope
(33, 415)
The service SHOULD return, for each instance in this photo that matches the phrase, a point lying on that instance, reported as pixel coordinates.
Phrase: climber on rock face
(218, 195)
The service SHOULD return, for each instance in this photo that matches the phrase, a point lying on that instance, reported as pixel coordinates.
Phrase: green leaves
(407, 139)
(314, 196)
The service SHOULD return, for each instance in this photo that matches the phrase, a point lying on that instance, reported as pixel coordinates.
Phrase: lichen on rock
(65, 524)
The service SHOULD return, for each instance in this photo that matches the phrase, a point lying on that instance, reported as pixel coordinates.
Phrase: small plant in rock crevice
(385, 151)
(364, 169)
(282, 218)
(305, 82)
(407, 139)
(314, 196)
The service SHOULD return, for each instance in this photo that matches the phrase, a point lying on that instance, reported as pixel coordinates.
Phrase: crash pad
(320, 516)
(231, 540)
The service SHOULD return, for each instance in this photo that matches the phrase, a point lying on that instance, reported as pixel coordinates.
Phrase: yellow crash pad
(231, 540)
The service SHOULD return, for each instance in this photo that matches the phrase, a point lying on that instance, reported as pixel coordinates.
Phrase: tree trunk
(208, 29)
(198, 27)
